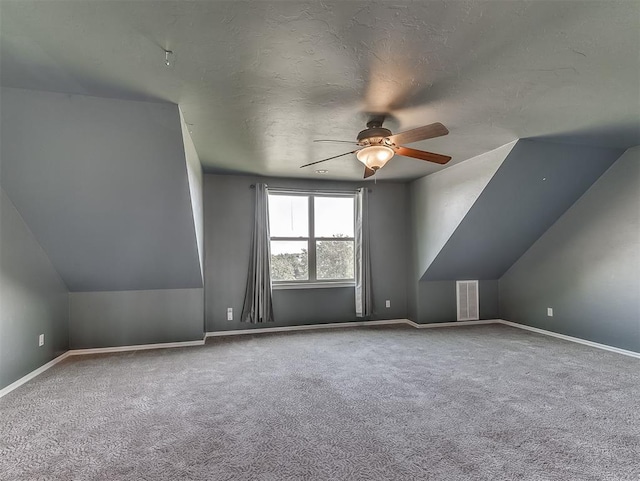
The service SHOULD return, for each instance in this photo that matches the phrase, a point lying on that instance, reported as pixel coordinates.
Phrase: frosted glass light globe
(375, 156)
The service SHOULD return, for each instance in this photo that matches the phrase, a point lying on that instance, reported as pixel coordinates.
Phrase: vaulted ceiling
(258, 81)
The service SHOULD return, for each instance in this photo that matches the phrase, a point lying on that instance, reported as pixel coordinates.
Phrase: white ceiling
(259, 80)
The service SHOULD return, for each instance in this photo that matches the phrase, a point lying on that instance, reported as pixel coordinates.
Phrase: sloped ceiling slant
(533, 187)
(102, 184)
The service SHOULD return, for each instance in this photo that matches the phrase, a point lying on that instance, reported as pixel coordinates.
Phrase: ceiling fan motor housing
(373, 135)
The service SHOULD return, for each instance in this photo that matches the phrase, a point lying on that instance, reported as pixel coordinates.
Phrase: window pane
(334, 259)
(333, 216)
(289, 261)
(289, 215)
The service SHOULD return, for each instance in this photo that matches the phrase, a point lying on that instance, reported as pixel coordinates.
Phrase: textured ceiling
(258, 81)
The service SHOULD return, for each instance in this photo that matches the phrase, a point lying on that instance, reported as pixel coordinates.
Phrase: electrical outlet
(41, 340)
(550, 311)
(387, 303)
(229, 313)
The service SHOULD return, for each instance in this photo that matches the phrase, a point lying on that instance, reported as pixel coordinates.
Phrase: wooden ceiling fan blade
(422, 155)
(337, 141)
(328, 158)
(368, 172)
(421, 133)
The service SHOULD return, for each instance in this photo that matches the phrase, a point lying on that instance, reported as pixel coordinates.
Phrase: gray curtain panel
(364, 302)
(257, 299)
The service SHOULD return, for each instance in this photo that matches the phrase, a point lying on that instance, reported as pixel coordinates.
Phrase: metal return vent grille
(467, 300)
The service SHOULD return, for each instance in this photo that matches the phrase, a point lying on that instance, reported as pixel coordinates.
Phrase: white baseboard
(141, 347)
(310, 327)
(423, 326)
(307, 327)
(32, 374)
(166, 345)
(98, 350)
(137, 347)
(452, 324)
(571, 338)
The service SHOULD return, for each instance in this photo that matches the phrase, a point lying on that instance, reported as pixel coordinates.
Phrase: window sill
(313, 285)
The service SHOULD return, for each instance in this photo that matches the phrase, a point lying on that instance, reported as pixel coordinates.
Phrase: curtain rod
(320, 191)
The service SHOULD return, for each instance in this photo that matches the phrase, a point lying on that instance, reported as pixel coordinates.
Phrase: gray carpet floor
(480, 403)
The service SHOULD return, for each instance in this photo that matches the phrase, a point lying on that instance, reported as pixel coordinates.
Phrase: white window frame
(313, 282)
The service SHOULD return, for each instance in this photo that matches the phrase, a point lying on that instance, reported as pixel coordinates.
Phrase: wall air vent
(467, 300)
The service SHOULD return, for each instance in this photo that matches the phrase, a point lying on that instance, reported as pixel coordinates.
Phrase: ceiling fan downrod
(376, 121)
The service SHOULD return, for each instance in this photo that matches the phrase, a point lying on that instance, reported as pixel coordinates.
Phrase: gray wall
(438, 203)
(484, 219)
(105, 319)
(33, 300)
(228, 223)
(437, 301)
(441, 200)
(533, 187)
(102, 184)
(586, 266)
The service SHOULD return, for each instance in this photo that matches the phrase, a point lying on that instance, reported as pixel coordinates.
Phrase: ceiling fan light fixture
(375, 156)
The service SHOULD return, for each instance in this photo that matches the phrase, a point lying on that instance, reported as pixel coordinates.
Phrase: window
(312, 238)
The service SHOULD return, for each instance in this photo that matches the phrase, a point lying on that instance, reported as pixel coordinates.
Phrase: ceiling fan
(378, 145)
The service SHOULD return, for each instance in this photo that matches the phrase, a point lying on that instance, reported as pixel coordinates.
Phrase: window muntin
(312, 238)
